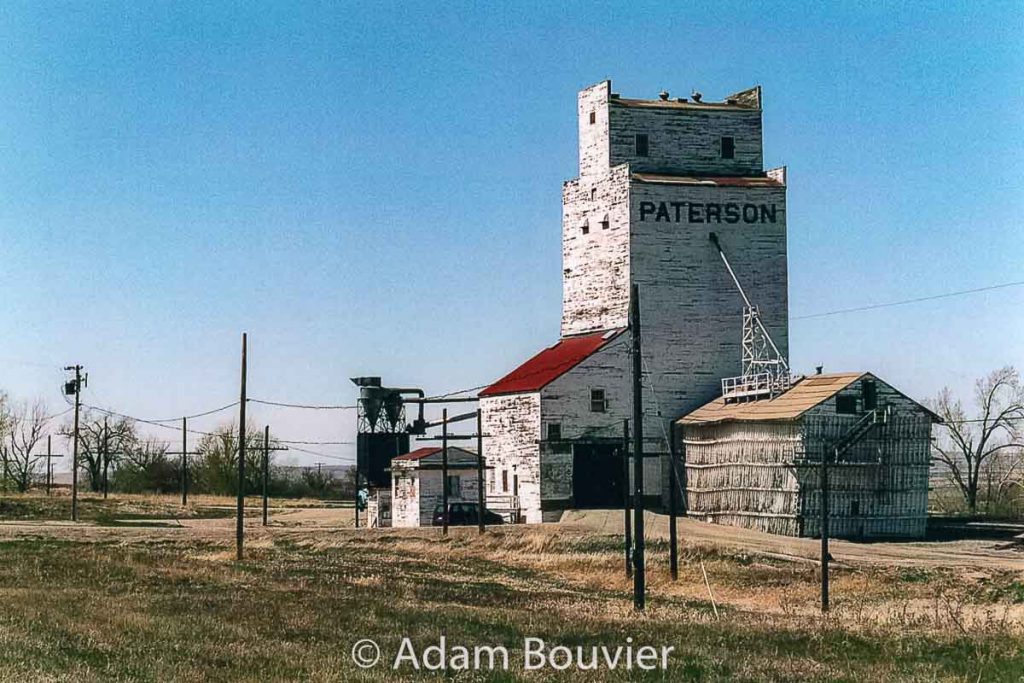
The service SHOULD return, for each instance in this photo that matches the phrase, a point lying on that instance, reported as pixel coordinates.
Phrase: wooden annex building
(758, 464)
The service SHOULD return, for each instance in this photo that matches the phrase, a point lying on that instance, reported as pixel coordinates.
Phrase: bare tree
(216, 466)
(24, 427)
(969, 446)
(121, 436)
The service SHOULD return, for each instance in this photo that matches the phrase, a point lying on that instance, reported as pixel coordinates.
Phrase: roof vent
(663, 95)
(818, 369)
(681, 99)
(615, 95)
(731, 100)
(696, 96)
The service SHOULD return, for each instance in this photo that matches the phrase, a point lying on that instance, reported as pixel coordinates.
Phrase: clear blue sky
(373, 188)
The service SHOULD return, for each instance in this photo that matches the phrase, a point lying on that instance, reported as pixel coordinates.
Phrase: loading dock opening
(597, 475)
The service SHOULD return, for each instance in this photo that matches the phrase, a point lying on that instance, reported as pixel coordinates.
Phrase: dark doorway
(597, 472)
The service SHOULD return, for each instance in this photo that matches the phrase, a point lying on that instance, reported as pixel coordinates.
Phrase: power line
(139, 419)
(300, 405)
(919, 299)
(318, 443)
(460, 391)
(348, 459)
(203, 414)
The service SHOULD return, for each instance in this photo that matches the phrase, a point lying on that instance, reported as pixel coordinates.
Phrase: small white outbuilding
(416, 480)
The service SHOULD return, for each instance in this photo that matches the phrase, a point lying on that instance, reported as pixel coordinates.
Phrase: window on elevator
(641, 145)
(728, 147)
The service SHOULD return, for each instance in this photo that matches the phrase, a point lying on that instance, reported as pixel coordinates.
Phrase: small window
(869, 392)
(604, 222)
(846, 405)
(593, 117)
(593, 193)
(854, 508)
(585, 228)
(641, 145)
(554, 431)
(728, 147)
(598, 404)
(504, 481)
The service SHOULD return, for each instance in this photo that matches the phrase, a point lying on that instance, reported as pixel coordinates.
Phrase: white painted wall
(416, 492)
(511, 444)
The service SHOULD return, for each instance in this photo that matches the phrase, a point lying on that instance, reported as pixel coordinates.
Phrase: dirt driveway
(965, 553)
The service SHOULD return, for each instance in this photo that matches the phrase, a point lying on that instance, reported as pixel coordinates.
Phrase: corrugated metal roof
(550, 364)
(431, 456)
(723, 181)
(419, 453)
(789, 405)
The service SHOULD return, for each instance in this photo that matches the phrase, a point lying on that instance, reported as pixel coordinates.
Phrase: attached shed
(757, 464)
(553, 430)
(416, 480)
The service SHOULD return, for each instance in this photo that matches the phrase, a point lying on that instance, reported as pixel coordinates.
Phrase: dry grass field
(144, 590)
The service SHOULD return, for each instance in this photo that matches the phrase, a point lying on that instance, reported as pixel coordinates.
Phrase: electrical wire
(299, 405)
(348, 459)
(456, 393)
(871, 307)
(317, 443)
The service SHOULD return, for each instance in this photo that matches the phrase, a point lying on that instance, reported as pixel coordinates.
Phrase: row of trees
(136, 463)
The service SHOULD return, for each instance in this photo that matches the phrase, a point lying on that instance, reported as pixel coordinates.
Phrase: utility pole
(355, 505)
(49, 464)
(444, 472)
(266, 468)
(673, 539)
(480, 468)
(638, 455)
(75, 387)
(239, 526)
(184, 453)
(626, 517)
(681, 474)
(824, 527)
(184, 461)
(106, 457)
(267, 448)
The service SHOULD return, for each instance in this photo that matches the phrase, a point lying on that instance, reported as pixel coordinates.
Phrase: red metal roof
(726, 181)
(550, 364)
(419, 453)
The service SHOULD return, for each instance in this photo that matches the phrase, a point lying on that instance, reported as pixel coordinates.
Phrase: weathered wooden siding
(512, 444)
(595, 266)
(686, 141)
(593, 137)
(566, 401)
(743, 474)
(692, 314)
(404, 495)
(767, 475)
(880, 486)
(431, 493)
(415, 492)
